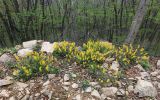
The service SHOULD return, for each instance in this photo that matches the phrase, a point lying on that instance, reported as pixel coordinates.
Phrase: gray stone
(109, 59)
(66, 88)
(109, 91)
(47, 47)
(5, 82)
(24, 52)
(145, 88)
(78, 97)
(105, 65)
(6, 58)
(48, 93)
(96, 94)
(93, 83)
(30, 44)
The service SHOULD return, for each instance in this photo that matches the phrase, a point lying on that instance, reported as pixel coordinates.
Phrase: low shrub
(64, 49)
(94, 52)
(34, 64)
(127, 55)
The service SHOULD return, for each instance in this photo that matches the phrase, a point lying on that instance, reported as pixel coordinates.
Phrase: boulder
(47, 47)
(5, 93)
(145, 88)
(155, 73)
(30, 44)
(66, 77)
(109, 91)
(24, 52)
(74, 86)
(21, 86)
(5, 82)
(6, 58)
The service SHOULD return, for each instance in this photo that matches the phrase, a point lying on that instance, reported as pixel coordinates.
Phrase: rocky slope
(74, 83)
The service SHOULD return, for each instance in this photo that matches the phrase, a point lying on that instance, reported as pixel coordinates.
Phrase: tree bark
(137, 21)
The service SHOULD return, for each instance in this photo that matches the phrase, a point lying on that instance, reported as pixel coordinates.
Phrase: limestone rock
(47, 47)
(155, 73)
(115, 66)
(145, 88)
(5, 93)
(158, 63)
(88, 89)
(24, 52)
(109, 91)
(21, 86)
(66, 77)
(145, 76)
(30, 44)
(6, 58)
(96, 94)
(121, 92)
(5, 82)
(74, 85)
(139, 67)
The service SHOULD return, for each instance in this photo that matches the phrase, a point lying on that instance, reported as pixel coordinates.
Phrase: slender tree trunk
(136, 23)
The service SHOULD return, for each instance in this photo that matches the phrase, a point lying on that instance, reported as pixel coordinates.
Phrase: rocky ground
(74, 83)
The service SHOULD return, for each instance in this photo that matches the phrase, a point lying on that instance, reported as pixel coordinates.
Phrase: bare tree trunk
(136, 23)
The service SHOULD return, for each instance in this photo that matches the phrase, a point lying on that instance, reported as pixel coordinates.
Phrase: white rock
(103, 97)
(105, 65)
(12, 98)
(158, 63)
(74, 85)
(46, 83)
(66, 88)
(88, 89)
(51, 76)
(145, 75)
(4, 93)
(66, 77)
(30, 44)
(26, 97)
(37, 94)
(109, 59)
(47, 47)
(24, 52)
(66, 83)
(96, 94)
(115, 66)
(130, 88)
(109, 91)
(145, 88)
(21, 86)
(139, 67)
(158, 76)
(93, 83)
(6, 58)
(120, 92)
(155, 73)
(5, 82)
(78, 97)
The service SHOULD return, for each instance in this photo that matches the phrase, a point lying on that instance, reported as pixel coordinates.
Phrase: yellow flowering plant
(127, 55)
(94, 51)
(64, 49)
(34, 64)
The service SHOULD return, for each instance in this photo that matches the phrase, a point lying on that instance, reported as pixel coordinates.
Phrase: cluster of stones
(145, 84)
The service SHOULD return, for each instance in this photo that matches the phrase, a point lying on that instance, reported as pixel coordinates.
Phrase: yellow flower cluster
(65, 49)
(94, 51)
(128, 55)
(33, 64)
